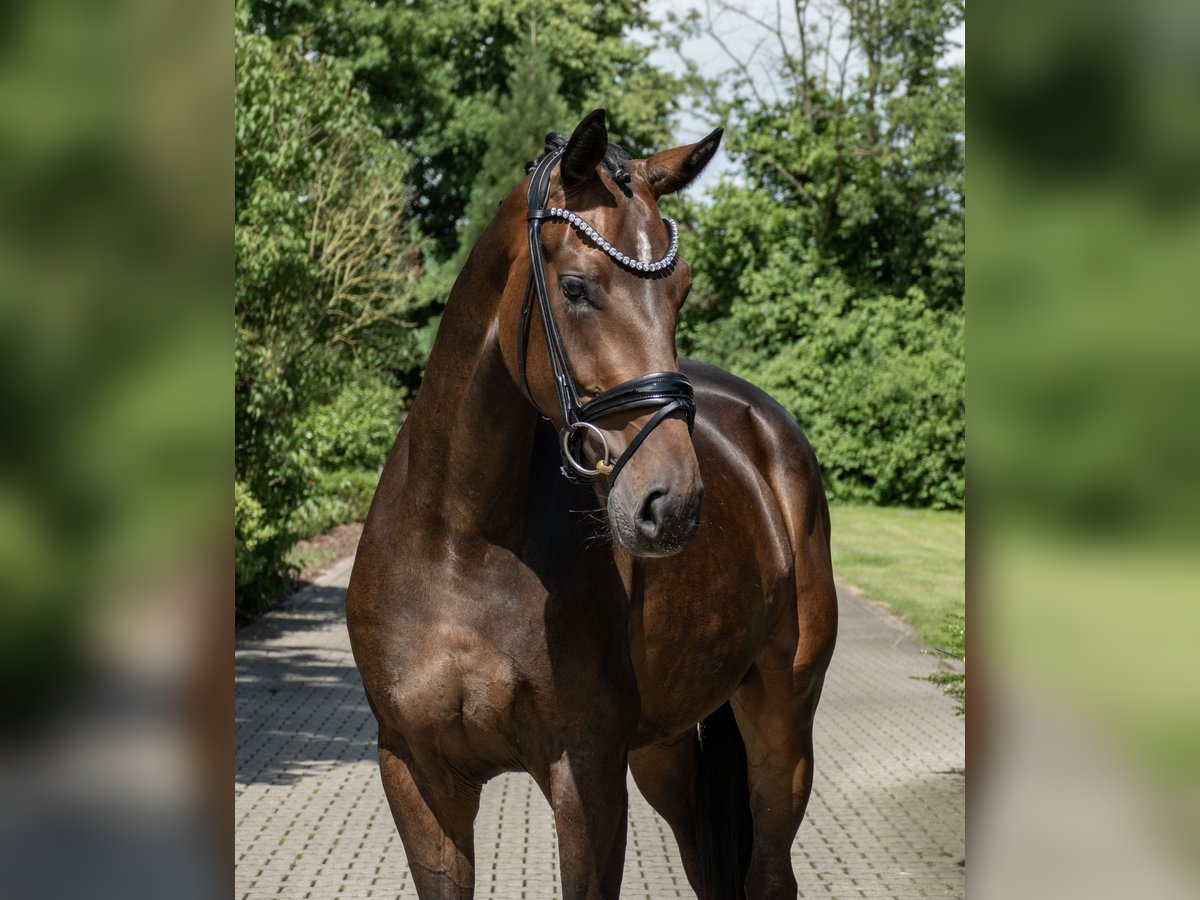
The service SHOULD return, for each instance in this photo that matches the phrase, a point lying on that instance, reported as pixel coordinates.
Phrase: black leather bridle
(669, 391)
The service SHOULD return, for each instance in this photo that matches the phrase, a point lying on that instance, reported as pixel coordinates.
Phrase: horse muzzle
(658, 520)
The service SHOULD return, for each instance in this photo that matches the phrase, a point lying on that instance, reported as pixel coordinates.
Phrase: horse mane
(615, 157)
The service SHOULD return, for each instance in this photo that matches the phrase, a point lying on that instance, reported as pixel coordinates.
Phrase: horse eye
(573, 288)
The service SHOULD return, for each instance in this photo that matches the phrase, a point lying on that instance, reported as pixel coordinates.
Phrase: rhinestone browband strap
(637, 265)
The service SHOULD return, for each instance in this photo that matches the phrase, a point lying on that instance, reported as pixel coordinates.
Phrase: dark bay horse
(497, 630)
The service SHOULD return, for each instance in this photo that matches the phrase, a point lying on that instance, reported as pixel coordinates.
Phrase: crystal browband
(628, 261)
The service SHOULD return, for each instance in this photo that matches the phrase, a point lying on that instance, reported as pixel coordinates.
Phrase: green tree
(436, 73)
(326, 260)
(531, 107)
(831, 274)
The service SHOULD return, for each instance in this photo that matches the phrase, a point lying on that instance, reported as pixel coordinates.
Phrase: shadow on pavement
(300, 704)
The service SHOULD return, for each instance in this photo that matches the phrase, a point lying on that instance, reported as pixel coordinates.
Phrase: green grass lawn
(910, 559)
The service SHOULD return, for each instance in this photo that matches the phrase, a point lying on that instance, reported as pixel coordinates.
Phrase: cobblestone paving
(886, 818)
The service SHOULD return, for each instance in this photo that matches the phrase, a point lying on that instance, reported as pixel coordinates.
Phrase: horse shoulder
(767, 437)
(777, 447)
(420, 638)
(431, 647)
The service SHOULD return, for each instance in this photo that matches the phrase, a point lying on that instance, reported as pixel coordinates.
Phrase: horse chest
(454, 682)
(480, 660)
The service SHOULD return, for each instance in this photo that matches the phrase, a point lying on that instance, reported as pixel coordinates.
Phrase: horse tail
(724, 831)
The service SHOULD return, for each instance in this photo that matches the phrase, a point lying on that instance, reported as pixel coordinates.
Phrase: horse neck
(471, 427)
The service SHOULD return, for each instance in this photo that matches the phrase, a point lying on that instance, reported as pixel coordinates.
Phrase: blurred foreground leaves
(115, 385)
(113, 274)
(1085, 365)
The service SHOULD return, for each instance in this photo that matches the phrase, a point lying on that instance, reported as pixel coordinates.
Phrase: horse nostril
(652, 512)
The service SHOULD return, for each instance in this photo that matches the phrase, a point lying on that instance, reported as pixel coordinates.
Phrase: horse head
(602, 268)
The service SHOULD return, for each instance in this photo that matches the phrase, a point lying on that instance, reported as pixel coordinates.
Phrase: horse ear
(585, 149)
(673, 170)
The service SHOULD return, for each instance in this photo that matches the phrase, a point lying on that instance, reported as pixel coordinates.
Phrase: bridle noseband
(668, 391)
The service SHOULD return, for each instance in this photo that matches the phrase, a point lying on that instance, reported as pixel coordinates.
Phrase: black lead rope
(668, 391)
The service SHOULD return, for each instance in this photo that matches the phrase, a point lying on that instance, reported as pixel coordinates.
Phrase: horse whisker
(601, 531)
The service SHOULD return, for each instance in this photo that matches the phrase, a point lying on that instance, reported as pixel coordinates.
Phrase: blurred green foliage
(1085, 368)
(831, 272)
(115, 463)
(114, 211)
(1087, 266)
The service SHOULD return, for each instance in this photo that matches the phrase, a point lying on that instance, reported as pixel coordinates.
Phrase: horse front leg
(775, 707)
(779, 755)
(588, 794)
(436, 821)
(666, 774)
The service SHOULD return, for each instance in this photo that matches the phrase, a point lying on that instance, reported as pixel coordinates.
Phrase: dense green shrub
(337, 497)
(326, 262)
(356, 429)
(831, 272)
(877, 380)
(880, 388)
(346, 442)
(256, 543)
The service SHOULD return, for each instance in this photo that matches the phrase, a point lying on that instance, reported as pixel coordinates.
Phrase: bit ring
(603, 465)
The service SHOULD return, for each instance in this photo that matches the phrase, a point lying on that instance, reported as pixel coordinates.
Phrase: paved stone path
(886, 818)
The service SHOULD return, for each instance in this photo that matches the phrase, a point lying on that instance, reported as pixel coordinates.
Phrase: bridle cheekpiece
(668, 391)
